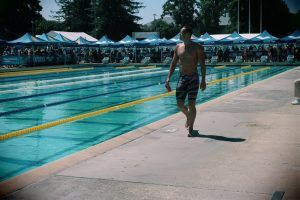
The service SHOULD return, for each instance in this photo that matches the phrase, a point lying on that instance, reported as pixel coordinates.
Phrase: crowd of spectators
(52, 55)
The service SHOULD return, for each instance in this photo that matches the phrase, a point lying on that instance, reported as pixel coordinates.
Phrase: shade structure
(176, 39)
(65, 41)
(293, 37)
(104, 41)
(264, 37)
(206, 39)
(233, 38)
(151, 40)
(83, 42)
(28, 39)
(48, 38)
(126, 41)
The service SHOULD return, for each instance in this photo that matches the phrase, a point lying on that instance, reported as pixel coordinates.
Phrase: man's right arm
(172, 69)
(173, 64)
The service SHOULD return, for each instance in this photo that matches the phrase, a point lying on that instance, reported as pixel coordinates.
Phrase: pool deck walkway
(247, 148)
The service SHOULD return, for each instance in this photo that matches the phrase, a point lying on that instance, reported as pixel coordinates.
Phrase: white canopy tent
(73, 35)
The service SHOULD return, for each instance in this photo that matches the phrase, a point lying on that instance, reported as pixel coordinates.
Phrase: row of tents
(152, 40)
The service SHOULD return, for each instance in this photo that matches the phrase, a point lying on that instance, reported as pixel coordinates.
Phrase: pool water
(31, 100)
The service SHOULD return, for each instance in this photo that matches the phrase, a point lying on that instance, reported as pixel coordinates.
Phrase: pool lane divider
(246, 67)
(110, 109)
(220, 67)
(43, 71)
(125, 67)
(147, 67)
(78, 88)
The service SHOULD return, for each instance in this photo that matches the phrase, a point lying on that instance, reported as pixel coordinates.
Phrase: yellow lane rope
(33, 72)
(125, 67)
(106, 110)
(220, 67)
(246, 67)
(147, 67)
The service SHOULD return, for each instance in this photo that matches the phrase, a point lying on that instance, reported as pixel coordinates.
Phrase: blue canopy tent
(176, 39)
(83, 42)
(151, 40)
(264, 37)
(28, 39)
(205, 39)
(126, 41)
(104, 41)
(294, 37)
(233, 38)
(48, 38)
(65, 41)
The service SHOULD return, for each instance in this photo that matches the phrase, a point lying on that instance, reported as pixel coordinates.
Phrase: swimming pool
(86, 106)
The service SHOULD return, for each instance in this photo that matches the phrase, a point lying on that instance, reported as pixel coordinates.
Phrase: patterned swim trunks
(187, 85)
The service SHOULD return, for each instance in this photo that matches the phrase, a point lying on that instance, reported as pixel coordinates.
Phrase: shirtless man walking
(188, 54)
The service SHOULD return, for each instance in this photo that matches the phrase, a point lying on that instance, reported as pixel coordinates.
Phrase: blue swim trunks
(187, 85)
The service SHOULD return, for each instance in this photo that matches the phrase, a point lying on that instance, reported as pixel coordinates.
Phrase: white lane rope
(33, 87)
(41, 82)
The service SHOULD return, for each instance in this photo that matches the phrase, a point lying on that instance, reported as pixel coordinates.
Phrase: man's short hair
(188, 29)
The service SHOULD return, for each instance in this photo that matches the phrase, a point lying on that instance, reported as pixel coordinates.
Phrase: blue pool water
(31, 100)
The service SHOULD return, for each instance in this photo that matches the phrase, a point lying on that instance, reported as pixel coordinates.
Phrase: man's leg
(191, 115)
(185, 111)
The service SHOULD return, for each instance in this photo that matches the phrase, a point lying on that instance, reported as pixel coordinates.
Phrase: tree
(209, 15)
(183, 12)
(296, 20)
(76, 15)
(18, 17)
(166, 30)
(276, 17)
(44, 26)
(117, 18)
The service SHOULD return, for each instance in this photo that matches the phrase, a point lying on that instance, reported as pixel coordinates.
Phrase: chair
(263, 59)
(146, 60)
(214, 59)
(290, 58)
(167, 60)
(125, 60)
(238, 59)
(105, 60)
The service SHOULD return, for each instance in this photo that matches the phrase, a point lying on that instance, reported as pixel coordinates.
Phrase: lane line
(80, 82)
(96, 85)
(110, 109)
(74, 78)
(15, 74)
(220, 67)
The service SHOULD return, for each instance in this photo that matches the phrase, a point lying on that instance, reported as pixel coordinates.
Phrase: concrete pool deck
(247, 147)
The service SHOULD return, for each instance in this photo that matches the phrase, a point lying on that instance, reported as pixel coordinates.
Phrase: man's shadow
(216, 137)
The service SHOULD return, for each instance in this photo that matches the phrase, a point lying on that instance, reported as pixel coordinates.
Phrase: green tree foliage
(183, 12)
(44, 26)
(166, 30)
(276, 17)
(296, 20)
(115, 18)
(17, 17)
(76, 14)
(209, 15)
